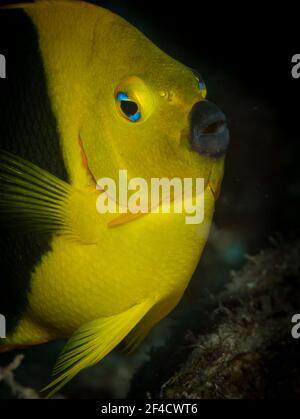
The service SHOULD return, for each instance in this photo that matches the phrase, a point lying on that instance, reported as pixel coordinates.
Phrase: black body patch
(28, 129)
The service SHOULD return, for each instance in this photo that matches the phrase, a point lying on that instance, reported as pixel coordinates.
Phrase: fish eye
(201, 84)
(128, 107)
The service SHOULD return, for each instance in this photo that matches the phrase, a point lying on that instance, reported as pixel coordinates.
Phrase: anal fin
(93, 341)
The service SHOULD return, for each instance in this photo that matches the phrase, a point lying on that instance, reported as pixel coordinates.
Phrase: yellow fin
(93, 341)
(31, 196)
(136, 336)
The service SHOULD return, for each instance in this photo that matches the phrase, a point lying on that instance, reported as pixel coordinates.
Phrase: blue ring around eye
(135, 117)
(121, 96)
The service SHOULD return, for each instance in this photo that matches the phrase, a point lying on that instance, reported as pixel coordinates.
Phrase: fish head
(149, 114)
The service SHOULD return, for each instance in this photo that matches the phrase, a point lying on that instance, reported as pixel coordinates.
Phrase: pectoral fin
(93, 341)
(30, 196)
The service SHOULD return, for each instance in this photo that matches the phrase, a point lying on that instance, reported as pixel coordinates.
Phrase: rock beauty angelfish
(87, 95)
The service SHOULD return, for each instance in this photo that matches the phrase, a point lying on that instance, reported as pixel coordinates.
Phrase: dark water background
(244, 55)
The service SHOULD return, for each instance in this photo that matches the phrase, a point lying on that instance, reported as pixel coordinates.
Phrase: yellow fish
(88, 95)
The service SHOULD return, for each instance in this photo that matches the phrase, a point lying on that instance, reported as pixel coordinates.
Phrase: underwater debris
(17, 390)
(249, 353)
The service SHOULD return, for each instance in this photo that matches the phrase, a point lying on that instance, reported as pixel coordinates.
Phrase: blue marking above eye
(122, 96)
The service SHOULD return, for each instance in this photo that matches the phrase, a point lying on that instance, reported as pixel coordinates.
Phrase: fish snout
(209, 134)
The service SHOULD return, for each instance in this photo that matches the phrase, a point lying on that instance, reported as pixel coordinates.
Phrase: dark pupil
(128, 107)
